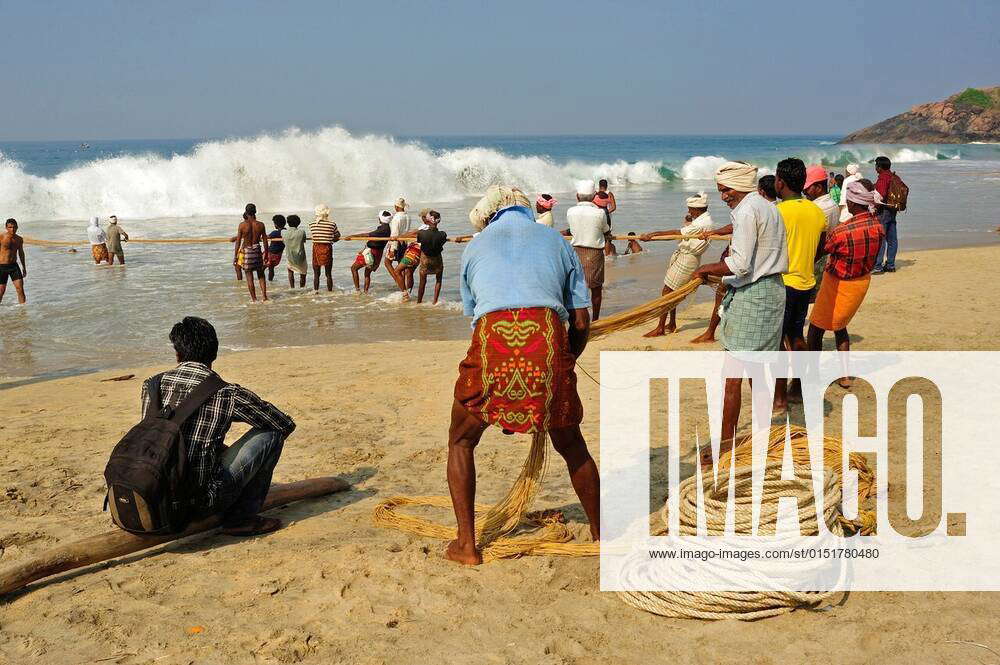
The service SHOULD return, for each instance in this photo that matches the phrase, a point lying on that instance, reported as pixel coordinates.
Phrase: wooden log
(113, 544)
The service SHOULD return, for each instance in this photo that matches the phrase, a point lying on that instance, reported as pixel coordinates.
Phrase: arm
(239, 244)
(20, 255)
(124, 236)
(468, 298)
(821, 248)
(250, 409)
(741, 250)
(726, 230)
(579, 331)
(646, 237)
(267, 242)
(612, 204)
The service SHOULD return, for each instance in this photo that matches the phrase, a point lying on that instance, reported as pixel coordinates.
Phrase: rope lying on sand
(743, 605)
(643, 313)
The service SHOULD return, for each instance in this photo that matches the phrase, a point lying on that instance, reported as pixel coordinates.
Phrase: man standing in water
(606, 200)
(588, 225)
(519, 372)
(370, 257)
(116, 236)
(432, 243)
(249, 236)
(12, 249)
(323, 232)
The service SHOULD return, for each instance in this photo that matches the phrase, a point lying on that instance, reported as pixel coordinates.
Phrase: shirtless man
(12, 249)
(249, 236)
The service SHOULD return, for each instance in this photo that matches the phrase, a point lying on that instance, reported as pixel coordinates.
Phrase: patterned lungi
(752, 315)
(273, 259)
(322, 255)
(369, 257)
(99, 252)
(593, 265)
(519, 373)
(681, 268)
(411, 258)
(253, 257)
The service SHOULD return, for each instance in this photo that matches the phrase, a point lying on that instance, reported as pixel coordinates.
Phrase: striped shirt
(205, 431)
(322, 231)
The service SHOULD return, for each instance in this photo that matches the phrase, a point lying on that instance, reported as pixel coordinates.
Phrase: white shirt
(830, 209)
(96, 235)
(587, 225)
(696, 246)
(758, 247)
(399, 224)
(546, 219)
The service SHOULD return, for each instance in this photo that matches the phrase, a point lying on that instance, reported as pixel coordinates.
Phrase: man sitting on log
(521, 283)
(233, 481)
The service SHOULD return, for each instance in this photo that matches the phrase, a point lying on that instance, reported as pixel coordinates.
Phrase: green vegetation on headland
(974, 97)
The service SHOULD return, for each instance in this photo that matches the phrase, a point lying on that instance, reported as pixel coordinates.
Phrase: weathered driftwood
(113, 544)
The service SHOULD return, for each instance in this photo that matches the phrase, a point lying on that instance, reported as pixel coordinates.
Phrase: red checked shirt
(853, 246)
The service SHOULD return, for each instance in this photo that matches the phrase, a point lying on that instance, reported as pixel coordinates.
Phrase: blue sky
(122, 69)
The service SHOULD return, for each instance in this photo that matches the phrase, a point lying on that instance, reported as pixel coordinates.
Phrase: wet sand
(332, 588)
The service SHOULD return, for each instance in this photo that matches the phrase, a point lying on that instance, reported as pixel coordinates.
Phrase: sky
(108, 69)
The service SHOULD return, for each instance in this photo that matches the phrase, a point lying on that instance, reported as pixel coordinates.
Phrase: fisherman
(588, 226)
(275, 247)
(248, 253)
(754, 304)
(519, 372)
(399, 226)
(543, 208)
(431, 261)
(370, 257)
(12, 249)
(853, 247)
(116, 236)
(98, 242)
(294, 240)
(686, 258)
(323, 232)
(606, 200)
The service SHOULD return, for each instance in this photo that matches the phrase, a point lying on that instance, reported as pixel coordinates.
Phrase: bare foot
(655, 332)
(462, 555)
(703, 338)
(724, 447)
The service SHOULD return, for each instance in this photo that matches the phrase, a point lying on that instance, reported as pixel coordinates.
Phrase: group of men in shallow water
(404, 252)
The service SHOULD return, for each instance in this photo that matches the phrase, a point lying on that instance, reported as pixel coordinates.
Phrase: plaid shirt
(205, 431)
(853, 246)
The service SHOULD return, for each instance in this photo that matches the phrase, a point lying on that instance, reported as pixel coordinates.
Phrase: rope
(778, 596)
(642, 313)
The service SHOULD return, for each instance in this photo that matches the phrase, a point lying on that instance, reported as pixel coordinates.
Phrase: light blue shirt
(515, 262)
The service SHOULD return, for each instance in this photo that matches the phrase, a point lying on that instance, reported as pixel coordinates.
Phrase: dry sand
(332, 588)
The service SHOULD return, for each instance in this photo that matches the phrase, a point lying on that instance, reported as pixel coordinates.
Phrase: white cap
(585, 187)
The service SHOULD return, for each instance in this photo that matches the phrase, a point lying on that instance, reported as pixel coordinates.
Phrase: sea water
(82, 317)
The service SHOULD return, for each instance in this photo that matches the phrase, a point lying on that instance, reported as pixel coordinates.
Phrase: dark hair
(792, 172)
(294, 221)
(251, 209)
(766, 185)
(839, 179)
(547, 197)
(10, 220)
(435, 214)
(279, 221)
(602, 183)
(246, 216)
(883, 163)
(194, 340)
(631, 233)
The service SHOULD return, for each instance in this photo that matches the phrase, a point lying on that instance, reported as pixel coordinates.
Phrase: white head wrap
(385, 216)
(497, 198)
(853, 169)
(859, 194)
(322, 212)
(738, 176)
(698, 201)
(585, 187)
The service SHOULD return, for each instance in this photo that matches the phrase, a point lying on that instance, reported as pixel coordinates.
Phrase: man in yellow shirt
(805, 229)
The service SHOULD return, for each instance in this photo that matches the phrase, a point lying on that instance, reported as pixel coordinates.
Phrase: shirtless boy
(249, 236)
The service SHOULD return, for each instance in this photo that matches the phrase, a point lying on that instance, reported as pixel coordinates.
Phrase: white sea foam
(295, 169)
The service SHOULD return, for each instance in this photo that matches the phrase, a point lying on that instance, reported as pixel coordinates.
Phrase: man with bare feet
(686, 257)
(248, 254)
(753, 308)
(12, 250)
(519, 372)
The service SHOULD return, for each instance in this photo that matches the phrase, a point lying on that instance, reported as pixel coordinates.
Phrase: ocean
(82, 318)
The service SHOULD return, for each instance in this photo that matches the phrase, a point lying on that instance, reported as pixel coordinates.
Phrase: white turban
(853, 169)
(738, 176)
(322, 212)
(585, 187)
(497, 198)
(698, 201)
(859, 194)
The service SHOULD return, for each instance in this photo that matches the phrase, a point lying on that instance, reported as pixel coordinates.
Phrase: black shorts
(796, 307)
(10, 271)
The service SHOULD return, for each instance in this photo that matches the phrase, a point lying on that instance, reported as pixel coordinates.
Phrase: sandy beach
(332, 588)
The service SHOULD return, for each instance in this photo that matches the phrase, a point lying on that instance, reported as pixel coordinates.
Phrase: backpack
(149, 489)
(897, 194)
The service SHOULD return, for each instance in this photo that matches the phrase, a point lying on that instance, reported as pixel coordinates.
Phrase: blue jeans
(888, 220)
(245, 471)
